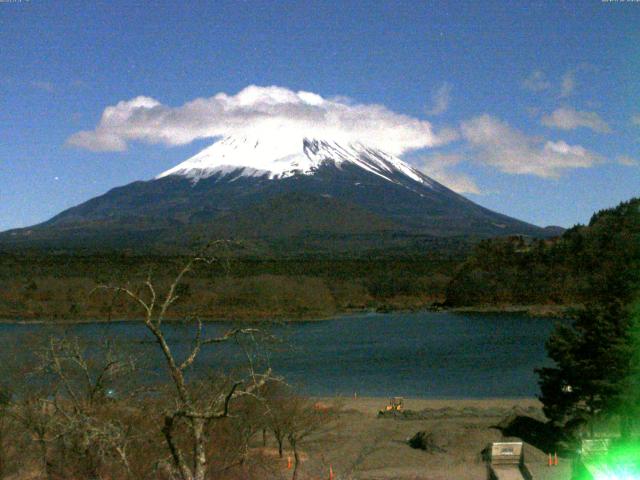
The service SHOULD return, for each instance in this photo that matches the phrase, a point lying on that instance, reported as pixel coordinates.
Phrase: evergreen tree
(591, 365)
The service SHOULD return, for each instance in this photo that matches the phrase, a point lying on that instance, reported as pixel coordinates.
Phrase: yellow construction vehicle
(395, 404)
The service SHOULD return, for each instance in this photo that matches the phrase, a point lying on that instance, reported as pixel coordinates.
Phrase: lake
(418, 354)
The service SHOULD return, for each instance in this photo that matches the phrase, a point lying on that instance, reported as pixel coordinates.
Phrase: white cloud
(635, 119)
(568, 84)
(536, 82)
(258, 111)
(570, 119)
(627, 161)
(439, 167)
(440, 99)
(511, 151)
(46, 86)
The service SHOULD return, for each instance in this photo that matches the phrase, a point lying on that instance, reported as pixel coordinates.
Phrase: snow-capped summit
(277, 158)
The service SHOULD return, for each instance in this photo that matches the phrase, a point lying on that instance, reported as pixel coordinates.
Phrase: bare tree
(190, 410)
(294, 418)
(305, 419)
(76, 410)
(276, 417)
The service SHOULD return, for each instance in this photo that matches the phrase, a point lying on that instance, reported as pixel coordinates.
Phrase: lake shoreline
(371, 405)
(550, 311)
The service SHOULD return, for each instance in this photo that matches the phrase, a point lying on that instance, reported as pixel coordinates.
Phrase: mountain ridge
(236, 187)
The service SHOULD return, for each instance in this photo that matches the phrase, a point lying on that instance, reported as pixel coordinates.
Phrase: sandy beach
(362, 446)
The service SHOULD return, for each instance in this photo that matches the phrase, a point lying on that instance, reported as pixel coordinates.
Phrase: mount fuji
(273, 188)
(282, 158)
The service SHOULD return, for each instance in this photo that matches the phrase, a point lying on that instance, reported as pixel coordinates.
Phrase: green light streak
(621, 463)
(616, 474)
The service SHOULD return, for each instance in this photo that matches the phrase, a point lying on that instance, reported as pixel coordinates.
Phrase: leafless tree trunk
(296, 457)
(191, 411)
(279, 436)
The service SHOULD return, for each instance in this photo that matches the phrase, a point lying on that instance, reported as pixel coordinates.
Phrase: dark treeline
(589, 260)
(59, 286)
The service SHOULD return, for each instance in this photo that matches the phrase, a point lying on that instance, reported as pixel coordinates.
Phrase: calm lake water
(424, 354)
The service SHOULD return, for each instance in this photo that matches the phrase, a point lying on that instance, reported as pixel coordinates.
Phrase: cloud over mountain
(255, 110)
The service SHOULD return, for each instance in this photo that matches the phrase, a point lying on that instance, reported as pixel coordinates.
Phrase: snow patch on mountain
(274, 158)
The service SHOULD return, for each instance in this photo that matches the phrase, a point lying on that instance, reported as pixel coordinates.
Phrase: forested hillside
(584, 261)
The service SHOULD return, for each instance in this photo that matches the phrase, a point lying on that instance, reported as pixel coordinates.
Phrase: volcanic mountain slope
(274, 188)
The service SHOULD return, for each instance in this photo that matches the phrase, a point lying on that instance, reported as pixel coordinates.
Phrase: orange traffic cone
(289, 464)
(330, 473)
(550, 461)
(555, 458)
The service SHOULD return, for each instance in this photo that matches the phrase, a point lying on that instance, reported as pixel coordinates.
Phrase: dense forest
(38, 285)
(569, 270)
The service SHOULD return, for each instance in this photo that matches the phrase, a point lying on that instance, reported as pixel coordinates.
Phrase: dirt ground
(361, 446)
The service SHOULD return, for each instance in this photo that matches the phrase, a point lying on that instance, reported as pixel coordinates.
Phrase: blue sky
(533, 107)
